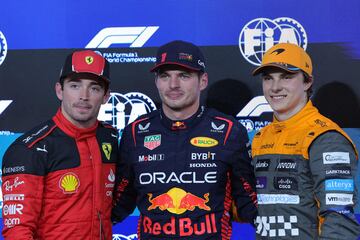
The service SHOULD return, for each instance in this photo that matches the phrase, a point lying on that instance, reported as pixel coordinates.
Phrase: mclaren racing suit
(305, 169)
(58, 181)
(183, 175)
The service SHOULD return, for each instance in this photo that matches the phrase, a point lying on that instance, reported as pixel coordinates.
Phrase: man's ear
(59, 91)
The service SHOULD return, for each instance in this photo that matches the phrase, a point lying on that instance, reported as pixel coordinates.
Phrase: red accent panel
(44, 136)
(133, 125)
(226, 229)
(229, 128)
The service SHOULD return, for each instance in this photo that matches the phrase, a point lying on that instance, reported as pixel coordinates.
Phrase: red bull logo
(181, 226)
(177, 201)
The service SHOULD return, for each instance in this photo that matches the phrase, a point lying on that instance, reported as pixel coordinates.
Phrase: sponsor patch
(261, 182)
(339, 199)
(336, 157)
(12, 209)
(69, 183)
(285, 183)
(14, 197)
(151, 157)
(286, 165)
(203, 156)
(338, 171)
(203, 142)
(278, 199)
(15, 169)
(262, 165)
(11, 185)
(339, 185)
(107, 148)
(153, 141)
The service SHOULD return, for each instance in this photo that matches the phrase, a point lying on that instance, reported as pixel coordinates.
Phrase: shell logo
(203, 142)
(69, 183)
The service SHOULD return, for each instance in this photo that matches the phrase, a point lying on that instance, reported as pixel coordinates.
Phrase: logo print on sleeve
(69, 183)
(346, 185)
(338, 171)
(336, 157)
(153, 141)
(107, 148)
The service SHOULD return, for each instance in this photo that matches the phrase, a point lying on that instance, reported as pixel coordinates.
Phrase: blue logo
(346, 185)
(3, 48)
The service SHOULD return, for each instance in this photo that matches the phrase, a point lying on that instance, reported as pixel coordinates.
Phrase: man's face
(285, 92)
(81, 100)
(179, 90)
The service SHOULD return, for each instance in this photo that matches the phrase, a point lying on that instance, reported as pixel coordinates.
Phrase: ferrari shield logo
(152, 142)
(106, 147)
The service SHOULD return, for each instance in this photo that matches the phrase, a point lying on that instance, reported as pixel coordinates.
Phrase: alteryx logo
(260, 34)
(123, 109)
(250, 115)
(135, 36)
(346, 185)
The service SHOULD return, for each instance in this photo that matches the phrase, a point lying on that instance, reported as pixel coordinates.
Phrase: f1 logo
(255, 107)
(136, 36)
(4, 104)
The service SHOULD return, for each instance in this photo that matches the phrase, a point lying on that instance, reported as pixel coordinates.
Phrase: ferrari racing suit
(58, 181)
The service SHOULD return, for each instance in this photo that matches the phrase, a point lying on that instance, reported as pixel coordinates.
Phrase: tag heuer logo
(152, 142)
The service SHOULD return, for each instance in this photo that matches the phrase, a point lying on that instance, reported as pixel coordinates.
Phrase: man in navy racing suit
(183, 165)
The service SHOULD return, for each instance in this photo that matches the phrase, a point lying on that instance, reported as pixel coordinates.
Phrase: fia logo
(123, 109)
(3, 47)
(260, 34)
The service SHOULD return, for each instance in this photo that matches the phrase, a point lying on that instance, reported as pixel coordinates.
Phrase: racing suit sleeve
(333, 167)
(124, 201)
(243, 180)
(22, 188)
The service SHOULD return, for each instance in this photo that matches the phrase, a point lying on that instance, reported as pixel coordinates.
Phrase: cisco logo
(122, 109)
(260, 34)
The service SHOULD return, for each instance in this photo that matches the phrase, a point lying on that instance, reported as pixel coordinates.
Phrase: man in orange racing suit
(305, 164)
(58, 177)
(183, 164)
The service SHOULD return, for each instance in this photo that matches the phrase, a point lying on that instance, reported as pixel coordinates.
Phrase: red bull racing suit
(305, 169)
(183, 176)
(58, 181)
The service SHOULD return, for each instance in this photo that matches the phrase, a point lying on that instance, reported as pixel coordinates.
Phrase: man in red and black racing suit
(183, 174)
(58, 177)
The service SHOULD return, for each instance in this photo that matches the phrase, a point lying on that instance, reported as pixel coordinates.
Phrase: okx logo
(261, 34)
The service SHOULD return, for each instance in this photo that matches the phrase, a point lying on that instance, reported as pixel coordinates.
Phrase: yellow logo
(178, 201)
(89, 59)
(203, 142)
(69, 183)
(106, 147)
